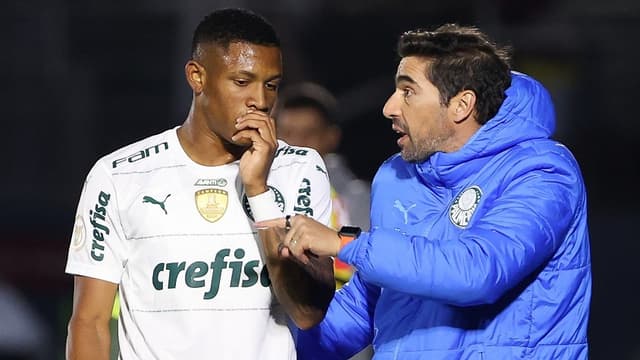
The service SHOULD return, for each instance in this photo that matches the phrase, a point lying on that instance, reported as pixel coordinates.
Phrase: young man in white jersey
(168, 222)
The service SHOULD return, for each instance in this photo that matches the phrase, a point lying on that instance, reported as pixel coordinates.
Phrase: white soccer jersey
(177, 239)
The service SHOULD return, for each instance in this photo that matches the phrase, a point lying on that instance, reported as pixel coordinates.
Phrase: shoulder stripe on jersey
(295, 162)
(148, 171)
(207, 309)
(194, 235)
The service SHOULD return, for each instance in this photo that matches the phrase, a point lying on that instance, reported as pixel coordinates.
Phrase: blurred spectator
(307, 116)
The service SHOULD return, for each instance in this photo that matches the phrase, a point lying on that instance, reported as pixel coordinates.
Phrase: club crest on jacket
(464, 206)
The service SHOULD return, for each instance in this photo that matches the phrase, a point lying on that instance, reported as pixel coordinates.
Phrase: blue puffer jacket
(478, 254)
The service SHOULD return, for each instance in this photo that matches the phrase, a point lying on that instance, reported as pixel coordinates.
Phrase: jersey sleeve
(313, 190)
(97, 246)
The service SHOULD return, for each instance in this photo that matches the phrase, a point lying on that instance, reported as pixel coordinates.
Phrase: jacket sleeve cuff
(354, 250)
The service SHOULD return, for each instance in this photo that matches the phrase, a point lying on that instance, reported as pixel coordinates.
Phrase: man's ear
(196, 75)
(462, 106)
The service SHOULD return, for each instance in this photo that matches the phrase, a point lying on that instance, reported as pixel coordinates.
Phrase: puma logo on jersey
(405, 211)
(321, 170)
(150, 200)
(194, 275)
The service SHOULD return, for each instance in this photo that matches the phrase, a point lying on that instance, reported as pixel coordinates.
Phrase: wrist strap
(263, 206)
(344, 240)
(347, 234)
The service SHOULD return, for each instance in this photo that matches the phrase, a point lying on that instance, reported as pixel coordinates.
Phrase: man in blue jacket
(478, 247)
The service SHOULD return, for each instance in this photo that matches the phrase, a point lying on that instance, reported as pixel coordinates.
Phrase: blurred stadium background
(79, 79)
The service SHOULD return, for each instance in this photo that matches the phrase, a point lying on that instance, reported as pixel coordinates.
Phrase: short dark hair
(225, 26)
(310, 95)
(463, 58)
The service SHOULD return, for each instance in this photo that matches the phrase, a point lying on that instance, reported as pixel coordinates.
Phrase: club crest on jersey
(212, 203)
(464, 206)
(279, 201)
(79, 234)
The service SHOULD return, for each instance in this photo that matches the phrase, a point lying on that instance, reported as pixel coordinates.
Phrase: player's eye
(272, 86)
(241, 82)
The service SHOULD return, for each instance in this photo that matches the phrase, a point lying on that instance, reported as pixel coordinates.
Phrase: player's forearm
(88, 340)
(304, 290)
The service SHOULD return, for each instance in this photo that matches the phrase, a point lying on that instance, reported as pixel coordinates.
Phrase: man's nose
(391, 108)
(258, 100)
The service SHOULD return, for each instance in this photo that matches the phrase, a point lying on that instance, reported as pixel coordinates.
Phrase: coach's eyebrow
(405, 78)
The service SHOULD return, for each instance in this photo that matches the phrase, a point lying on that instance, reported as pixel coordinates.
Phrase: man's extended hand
(306, 237)
(259, 128)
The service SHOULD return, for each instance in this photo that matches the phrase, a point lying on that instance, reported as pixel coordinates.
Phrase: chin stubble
(419, 151)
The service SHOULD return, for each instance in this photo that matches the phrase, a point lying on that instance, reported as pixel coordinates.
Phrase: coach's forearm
(88, 339)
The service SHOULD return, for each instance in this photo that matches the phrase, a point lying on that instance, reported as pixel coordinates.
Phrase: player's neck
(203, 146)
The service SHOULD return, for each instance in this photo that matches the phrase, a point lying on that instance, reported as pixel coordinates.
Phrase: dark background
(79, 79)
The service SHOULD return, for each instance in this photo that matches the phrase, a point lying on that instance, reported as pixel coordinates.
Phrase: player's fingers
(270, 121)
(260, 116)
(254, 115)
(251, 135)
(272, 128)
(262, 126)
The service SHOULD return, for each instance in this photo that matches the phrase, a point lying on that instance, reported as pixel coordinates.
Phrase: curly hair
(228, 25)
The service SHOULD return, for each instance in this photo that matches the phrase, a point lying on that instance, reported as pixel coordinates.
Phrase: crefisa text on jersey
(142, 154)
(288, 150)
(167, 275)
(303, 203)
(97, 218)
